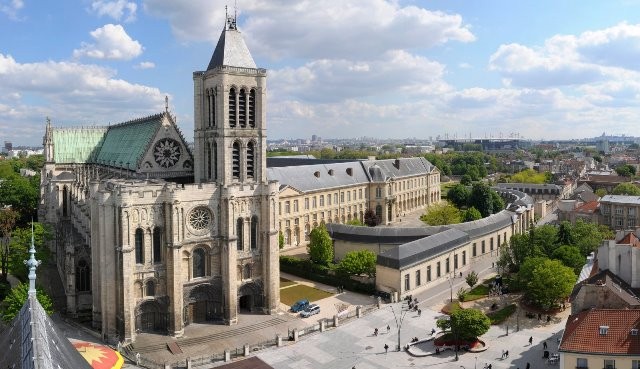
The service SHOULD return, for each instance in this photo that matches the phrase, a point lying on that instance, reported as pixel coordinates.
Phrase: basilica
(151, 235)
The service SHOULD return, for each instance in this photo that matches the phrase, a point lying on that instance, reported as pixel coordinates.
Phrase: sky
(543, 69)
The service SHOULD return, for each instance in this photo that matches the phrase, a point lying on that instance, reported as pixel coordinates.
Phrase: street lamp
(399, 321)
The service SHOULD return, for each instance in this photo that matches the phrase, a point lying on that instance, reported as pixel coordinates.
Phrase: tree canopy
(370, 218)
(467, 324)
(529, 176)
(459, 195)
(358, 263)
(471, 214)
(16, 298)
(320, 246)
(485, 200)
(626, 170)
(441, 214)
(570, 256)
(626, 188)
(20, 244)
(545, 281)
(8, 219)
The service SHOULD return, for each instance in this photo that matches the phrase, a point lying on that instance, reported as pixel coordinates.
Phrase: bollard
(359, 311)
(227, 355)
(379, 302)
(335, 321)
(189, 363)
(278, 340)
(322, 325)
(296, 335)
(246, 350)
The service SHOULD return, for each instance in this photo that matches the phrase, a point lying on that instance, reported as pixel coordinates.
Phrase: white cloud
(115, 9)
(145, 65)
(349, 29)
(334, 80)
(111, 42)
(11, 8)
(70, 93)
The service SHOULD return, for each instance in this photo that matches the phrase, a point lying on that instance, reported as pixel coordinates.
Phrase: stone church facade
(151, 236)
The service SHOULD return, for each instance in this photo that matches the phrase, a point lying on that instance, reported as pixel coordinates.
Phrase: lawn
(477, 292)
(294, 293)
(501, 315)
(286, 283)
(451, 307)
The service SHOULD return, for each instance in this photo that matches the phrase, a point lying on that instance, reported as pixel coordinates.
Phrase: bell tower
(230, 152)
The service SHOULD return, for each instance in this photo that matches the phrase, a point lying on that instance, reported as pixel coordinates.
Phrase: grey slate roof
(231, 51)
(417, 251)
(530, 186)
(288, 161)
(386, 235)
(303, 177)
(621, 199)
(32, 342)
(485, 225)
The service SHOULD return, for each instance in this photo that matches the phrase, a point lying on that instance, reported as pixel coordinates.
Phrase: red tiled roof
(588, 207)
(630, 239)
(582, 332)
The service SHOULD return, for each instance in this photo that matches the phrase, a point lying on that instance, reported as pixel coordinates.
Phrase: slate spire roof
(231, 50)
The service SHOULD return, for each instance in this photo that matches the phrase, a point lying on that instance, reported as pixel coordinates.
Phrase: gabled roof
(231, 50)
(307, 178)
(615, 286)
(125, 143)
(32, 340)
(630, 239)
(77, 144)
(582, 332)
(398, 168)
(588, 208)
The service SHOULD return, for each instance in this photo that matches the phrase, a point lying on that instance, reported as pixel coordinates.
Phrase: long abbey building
(151, 236)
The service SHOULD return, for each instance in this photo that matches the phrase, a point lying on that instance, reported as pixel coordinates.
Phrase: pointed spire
(166, 103)
(32, 264)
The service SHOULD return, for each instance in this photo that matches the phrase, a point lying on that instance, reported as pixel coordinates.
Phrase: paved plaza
(355, 345)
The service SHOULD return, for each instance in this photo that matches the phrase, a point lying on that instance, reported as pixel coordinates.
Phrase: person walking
(506, 354)
(388, 328)
(544, 345)
(386, 348)
(502, 356)
(528, 366)
(375, 332)
(530, 341)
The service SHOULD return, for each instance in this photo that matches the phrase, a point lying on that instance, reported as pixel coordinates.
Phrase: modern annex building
(151, 236)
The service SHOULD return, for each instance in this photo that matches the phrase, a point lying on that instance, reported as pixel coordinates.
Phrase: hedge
(323, 274)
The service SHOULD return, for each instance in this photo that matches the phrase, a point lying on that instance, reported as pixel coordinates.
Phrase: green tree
(544, 239)
(528, 176)
(565, 234)
(601, 192)
(626, 188)
(280, 239)
(21, 194)
(466, 180)
(441, 214)
(570, 256)
(459, 195)
(471, 214)
(486, 200)
(513, 255)
(355, 222)
(17, 297)
(589, 236)
(496, 201)
(358, 263)
(20, 244)
(545, 281)
(8, 218)
(626, 170)
(370, 218)
(469, 324)
(320, 246)
(471, 279)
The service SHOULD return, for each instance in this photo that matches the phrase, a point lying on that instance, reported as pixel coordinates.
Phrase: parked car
(312, 309)
(299, 305)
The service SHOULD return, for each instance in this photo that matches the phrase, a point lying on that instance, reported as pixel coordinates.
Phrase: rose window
(200, 218)
(167, 152)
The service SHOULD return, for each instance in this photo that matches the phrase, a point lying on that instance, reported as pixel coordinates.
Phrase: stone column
(174, 274)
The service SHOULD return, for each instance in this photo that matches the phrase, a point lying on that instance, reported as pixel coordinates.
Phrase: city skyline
(542, 70)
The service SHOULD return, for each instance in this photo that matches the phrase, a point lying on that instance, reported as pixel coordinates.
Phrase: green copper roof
(77, 145)
(127, 142)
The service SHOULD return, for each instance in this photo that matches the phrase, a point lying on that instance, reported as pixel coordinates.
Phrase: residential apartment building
(338, 192)
(601, 338)
(619, 211)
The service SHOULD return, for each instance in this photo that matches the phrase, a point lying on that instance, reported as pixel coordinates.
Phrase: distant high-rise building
(8, 146)
(314, 138)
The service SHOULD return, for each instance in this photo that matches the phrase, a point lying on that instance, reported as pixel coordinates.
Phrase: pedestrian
(460, 274)
(489, 367)
(419, 312)
(502, 356)
(433, 331)
(375, 332)
(528, 366)
(388, 328)
(548, 318)
(506, 354)
(544, 345)
(485, 366)
(386, 348)
(530, 341)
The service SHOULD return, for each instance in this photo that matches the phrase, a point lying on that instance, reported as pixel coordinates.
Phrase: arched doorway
(152, 316)
(203, 303)
(250, 297)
